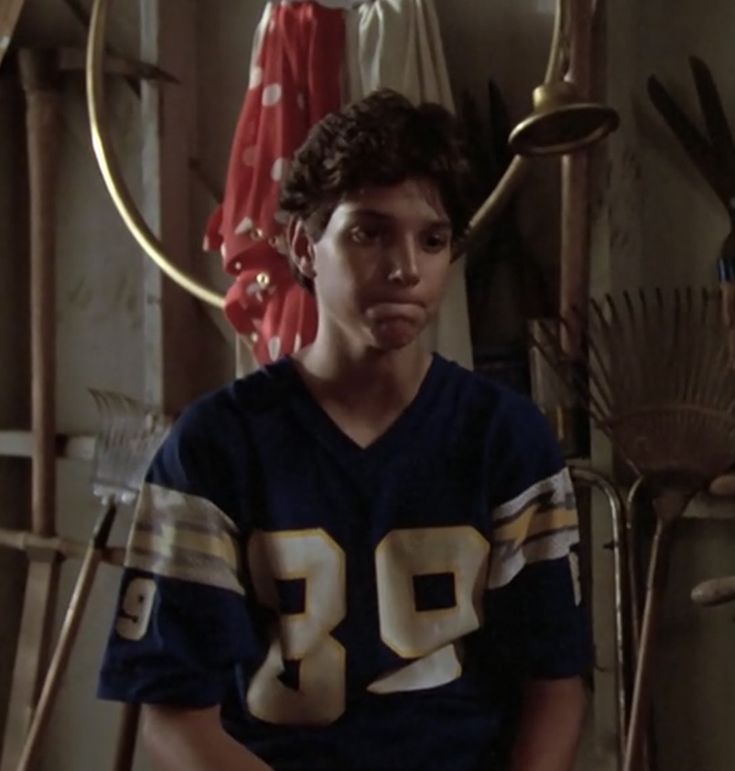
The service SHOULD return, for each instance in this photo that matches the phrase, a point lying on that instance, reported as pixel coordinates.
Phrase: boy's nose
(403, 265)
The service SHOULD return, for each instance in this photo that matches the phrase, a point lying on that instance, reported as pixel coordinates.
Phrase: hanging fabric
(327, 3)
(397, 44)
(294, 81)
(307, 60)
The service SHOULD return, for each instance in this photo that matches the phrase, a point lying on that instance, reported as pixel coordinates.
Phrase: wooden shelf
(18, 444)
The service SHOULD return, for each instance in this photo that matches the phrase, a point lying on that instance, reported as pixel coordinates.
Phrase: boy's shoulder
(227, 409)
(256, 392)
(496, 401)
(519, 445)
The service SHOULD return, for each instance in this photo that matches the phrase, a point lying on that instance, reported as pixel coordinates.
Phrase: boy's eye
(365, 234)
(436, 241)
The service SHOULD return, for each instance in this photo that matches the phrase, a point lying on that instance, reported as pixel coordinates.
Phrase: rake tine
(655, 351)
(714, 357)
(627, 330)
(622, 351)
(690, 321)
(726, 384)
(661, 388)
(639, 332)
(571, 376)
(702, 327)
(721, 387)
(606, 393)
(676, 344)
(593, 390)
(559, 360)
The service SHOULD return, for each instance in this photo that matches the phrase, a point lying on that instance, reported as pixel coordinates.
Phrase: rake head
(658, 379)
(129, 435)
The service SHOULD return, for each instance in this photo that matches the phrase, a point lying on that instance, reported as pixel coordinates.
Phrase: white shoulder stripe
(186, 537)
(557, 489)
(539, 524)
(507, 562)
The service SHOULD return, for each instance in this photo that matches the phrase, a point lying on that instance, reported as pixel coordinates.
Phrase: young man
(358, 558)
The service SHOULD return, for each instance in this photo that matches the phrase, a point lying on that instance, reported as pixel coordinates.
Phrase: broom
(658, 384)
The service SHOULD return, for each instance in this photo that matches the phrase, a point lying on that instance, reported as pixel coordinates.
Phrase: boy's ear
(300, 248)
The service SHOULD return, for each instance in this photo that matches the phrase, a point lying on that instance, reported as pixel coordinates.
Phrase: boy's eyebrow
(364, 211)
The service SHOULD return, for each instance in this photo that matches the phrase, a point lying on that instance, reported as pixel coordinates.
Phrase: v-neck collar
(335, 440)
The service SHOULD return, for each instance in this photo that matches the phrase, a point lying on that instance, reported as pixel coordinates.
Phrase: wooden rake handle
(641, 703)
(669, 504)
(67, 636)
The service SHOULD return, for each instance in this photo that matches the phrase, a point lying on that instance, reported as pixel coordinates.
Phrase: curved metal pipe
(134, 221)
(595, 479)
(634, 577)
(110, 168)
(518, 168)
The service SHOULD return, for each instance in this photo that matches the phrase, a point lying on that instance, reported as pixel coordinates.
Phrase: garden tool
(129, 435)
(659, 385)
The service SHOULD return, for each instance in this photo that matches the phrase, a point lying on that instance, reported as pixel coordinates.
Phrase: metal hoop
(132, 217)
(110, 168)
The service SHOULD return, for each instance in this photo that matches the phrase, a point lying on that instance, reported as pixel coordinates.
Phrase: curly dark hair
(380, 140)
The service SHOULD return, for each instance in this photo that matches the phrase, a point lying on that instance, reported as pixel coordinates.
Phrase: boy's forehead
(420, 195)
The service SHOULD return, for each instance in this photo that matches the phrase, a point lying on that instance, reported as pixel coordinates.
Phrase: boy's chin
(394, 335)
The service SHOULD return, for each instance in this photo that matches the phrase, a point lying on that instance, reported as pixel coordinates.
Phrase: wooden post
(40, 82)
(575, 231)
(174, 320)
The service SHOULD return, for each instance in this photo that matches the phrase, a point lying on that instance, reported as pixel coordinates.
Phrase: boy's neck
(363, 394)
(357, 377)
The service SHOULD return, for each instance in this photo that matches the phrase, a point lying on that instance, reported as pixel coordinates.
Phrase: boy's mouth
(382, 311)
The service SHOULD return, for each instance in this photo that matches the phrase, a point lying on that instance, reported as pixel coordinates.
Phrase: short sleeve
(181, 622)
(533, 572)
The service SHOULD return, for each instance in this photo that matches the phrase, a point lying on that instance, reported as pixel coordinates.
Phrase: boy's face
(381, 264)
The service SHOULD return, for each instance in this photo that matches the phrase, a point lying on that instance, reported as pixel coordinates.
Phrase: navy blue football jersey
(352, 608)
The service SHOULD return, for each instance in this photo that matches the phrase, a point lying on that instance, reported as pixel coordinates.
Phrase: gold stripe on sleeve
(533, 522)
(539, 524)
(183, 536)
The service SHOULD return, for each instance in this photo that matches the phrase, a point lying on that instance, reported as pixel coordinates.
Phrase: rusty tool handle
(41, 86)
(43, 118)
(669, 505)
(641, 705)
(67, 637)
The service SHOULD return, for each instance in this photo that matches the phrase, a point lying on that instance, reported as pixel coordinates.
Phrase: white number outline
(320, 700)
(136, 608)
(304, 636)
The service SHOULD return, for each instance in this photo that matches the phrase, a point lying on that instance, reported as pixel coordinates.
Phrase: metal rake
(658, 381)
(128, 436)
